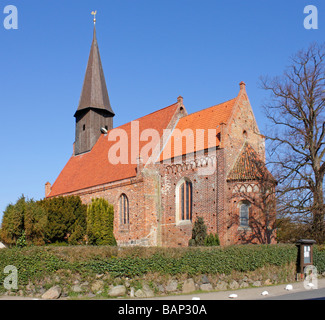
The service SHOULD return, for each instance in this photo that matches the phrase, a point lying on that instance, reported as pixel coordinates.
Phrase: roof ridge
(156, 111)
(210, 107)
(124, 124)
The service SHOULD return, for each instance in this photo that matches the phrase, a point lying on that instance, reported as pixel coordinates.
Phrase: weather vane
(94, 14)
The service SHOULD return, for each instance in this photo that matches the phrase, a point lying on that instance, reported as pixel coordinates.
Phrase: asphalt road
(315, 294)
(278, 292)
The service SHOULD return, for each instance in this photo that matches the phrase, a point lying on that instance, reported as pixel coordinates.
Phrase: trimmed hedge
(31, 265)
(38, 262)
(319, 258)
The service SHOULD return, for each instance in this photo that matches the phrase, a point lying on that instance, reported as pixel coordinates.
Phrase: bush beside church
(61, 220)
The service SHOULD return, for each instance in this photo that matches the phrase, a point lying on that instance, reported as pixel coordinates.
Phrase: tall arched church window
(244, 214)
(185, 196)
(124, 209)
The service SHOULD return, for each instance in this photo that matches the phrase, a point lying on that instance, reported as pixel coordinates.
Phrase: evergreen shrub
(100, 223)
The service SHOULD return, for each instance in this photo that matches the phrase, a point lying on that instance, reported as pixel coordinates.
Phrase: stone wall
(72, 285)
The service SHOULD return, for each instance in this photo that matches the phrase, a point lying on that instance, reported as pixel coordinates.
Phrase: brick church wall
(208, 200)
(261, 213)
(242, 128)
(142, 226)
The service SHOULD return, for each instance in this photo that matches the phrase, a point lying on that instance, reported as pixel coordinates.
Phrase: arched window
(244, 214)
(124, 209)
(184, 198)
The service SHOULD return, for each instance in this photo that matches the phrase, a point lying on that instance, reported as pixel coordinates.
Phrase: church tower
(94, 111)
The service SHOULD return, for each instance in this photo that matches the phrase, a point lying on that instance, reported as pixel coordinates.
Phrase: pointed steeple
(94, 111)
(94, 91)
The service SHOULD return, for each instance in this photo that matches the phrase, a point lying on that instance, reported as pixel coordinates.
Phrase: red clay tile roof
(205, 119)
(93, 168)
(248, 166)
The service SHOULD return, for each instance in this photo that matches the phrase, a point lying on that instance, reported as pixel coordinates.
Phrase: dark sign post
(305, 254)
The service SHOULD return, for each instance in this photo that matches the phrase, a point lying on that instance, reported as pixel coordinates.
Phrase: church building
(165, 169)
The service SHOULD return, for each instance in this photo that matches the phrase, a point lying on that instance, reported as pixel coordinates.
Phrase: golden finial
(94, 14)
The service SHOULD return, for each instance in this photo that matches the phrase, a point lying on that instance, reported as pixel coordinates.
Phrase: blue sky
(152, 51)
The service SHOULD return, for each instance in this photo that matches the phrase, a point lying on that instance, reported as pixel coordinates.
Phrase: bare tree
(296, 111)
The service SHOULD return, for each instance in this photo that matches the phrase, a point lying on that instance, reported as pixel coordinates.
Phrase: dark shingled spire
(94, 91)
(94, 111)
